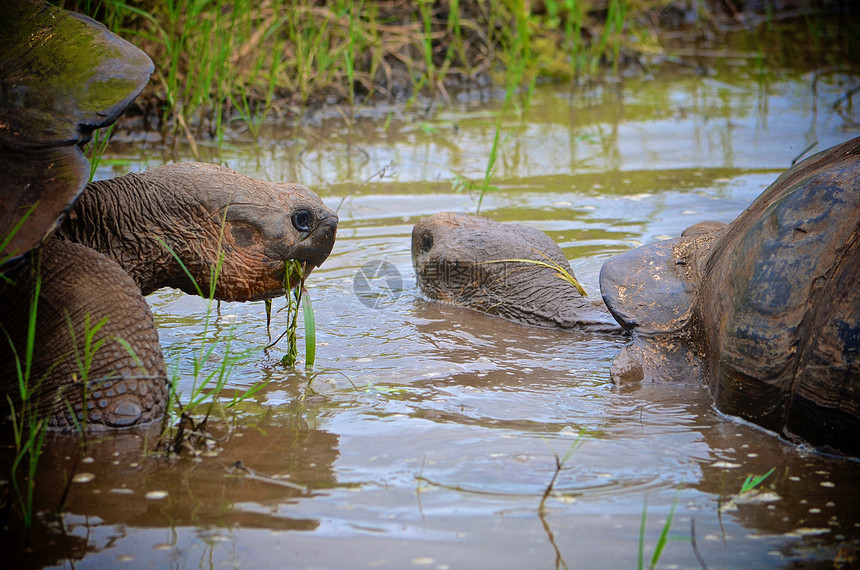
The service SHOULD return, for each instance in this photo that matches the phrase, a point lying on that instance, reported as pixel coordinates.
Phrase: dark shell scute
(63, 76)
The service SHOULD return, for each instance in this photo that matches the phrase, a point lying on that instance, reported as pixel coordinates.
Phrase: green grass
(560, 271)
(95, 149)
(753, 481)
(294, 300)
(29, 417)
(244, 60)
(28, 426)
(486, 184)
(662, 540)
(749, 489)
(10, 235)
(208, 382)
(83, 356)
(559, 465)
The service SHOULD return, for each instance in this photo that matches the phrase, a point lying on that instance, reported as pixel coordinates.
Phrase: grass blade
(664, 535)
(560, 271)
(310, 331)
(641, 559)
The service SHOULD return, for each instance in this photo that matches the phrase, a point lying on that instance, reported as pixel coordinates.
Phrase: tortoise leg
(656, 358)
(97, 362)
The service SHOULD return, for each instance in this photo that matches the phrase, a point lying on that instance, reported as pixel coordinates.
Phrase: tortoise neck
(123, 218)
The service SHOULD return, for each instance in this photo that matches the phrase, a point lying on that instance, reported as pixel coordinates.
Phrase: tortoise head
(505, 269)
(262, 226)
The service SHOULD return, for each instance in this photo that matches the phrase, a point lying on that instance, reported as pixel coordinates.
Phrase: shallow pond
(426, 435)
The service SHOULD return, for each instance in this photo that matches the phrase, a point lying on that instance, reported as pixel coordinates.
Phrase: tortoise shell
(62, 75)
(770, 302)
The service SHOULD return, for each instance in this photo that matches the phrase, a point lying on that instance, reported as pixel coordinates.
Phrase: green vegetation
(245, 60)
(84, 362)
(559, 465)
(29, 428)
(294, 296)
(661, 540)
(4, 243)
(560, 271)
(750, 491)
(208, 382)
(96, 148)
(29, 416)
(751, 482)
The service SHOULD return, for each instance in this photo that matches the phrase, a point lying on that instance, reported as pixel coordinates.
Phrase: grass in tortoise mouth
(294, 298)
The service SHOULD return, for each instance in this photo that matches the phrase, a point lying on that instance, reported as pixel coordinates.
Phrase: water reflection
(122, 486)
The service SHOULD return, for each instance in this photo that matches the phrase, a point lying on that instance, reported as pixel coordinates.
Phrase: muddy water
(426, 435)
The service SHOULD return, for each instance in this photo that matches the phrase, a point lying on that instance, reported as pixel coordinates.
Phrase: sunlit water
(426, 435)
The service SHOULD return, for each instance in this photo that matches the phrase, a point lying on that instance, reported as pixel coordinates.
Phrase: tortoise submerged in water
(765, 310)
(77, 258)
(470, 261)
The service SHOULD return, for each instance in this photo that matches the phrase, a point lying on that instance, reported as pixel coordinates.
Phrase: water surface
(426, 435)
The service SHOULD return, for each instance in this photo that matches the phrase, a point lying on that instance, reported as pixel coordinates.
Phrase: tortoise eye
(302, 221)
(427, 241)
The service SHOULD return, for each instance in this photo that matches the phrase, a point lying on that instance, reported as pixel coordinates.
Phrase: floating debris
(803, 531)
(83, 477)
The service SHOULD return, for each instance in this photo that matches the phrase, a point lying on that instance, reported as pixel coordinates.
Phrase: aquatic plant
(559, 465)
(749, 491)
(294, 298)
(95, 149)
(28, 426)
(83, 362)
(29, 420)
(207, 384)
(8, 238)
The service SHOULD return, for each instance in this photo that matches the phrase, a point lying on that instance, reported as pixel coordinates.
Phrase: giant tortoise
(764, 310)
(77, 258)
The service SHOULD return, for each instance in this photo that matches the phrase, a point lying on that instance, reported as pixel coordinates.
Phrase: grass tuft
(751, 482)
(246, 60)
(294, 298)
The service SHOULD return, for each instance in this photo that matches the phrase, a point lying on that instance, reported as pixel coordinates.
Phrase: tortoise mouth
(288, 264)
(297, 276)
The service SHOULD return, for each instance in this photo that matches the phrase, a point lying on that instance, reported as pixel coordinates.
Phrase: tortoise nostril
(427, 241)
(302, 221)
